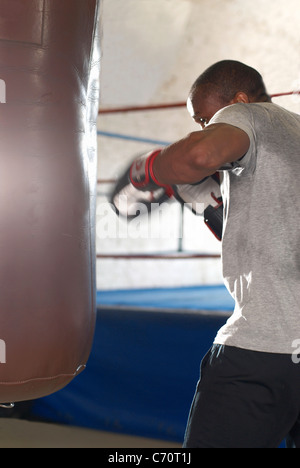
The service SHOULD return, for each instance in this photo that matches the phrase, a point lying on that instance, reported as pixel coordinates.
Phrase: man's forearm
(200, 154)
(190, 160)
(184, 162)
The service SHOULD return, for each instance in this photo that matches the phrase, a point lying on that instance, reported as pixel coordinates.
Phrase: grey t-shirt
(261, 240)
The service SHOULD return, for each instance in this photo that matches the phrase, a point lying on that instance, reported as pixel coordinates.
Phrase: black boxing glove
(129, 201)
(137, 191)
(204, 199)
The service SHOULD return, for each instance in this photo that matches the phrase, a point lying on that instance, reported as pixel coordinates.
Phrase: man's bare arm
(200, 154)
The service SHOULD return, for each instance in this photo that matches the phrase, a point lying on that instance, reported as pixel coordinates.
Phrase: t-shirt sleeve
(240, 116)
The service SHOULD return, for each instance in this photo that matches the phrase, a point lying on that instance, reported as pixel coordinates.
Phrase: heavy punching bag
(49, 77)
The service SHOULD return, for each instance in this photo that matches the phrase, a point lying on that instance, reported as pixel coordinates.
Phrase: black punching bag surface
(49, 83)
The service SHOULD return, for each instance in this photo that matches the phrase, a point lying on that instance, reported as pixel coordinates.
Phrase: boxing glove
(137, 191)
(141, 173)
(204, 199)
(130, 201)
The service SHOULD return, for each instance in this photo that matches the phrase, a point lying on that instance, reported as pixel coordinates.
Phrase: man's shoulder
(249, 114)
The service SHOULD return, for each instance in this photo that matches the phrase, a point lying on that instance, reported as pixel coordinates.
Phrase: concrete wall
(152, 51)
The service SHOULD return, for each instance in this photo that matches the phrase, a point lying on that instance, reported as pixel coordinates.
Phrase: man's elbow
(217, 146)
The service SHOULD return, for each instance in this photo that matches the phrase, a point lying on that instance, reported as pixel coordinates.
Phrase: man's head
(224, 83)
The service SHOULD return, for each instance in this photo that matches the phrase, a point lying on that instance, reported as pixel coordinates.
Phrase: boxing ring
(144, 364)
(141, 375)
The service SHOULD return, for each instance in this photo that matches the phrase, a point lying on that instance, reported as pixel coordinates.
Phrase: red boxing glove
(142, 176)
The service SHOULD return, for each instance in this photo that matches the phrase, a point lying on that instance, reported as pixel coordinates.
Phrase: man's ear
(240, 97)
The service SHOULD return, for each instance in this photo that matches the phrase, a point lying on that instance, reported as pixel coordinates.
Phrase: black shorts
(245, 399)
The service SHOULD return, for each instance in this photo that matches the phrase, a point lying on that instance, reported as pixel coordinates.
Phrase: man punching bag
(49, 76)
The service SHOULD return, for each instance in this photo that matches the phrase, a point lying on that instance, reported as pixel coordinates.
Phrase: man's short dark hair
(229, 77)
